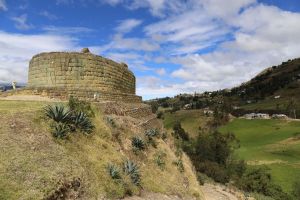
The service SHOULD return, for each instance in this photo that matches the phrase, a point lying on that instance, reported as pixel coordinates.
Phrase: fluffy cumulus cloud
(17, 49)
(187, 46)
(216, 43)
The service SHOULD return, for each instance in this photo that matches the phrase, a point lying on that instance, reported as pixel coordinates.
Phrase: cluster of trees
(212, 153)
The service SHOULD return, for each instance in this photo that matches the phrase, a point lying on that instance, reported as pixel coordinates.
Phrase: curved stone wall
(80, 71)
(84, 75)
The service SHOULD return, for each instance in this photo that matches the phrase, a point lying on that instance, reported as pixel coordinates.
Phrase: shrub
(151, 134)
(58, 113)
(137, 144)
(259, 180)
(159, 159)
(296, 190)
(76, 105)
(113, 171)
(60, 130)
(213, 170)
(160, 115)
(132, 170)
(179, 132)
(179, 165)
(82, 122)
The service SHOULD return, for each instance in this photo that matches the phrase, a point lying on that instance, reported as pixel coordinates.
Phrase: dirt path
(218, 192)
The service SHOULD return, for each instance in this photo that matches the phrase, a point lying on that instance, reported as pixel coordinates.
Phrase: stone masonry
(83, 75)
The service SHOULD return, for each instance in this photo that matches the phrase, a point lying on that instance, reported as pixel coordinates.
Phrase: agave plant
(151, 133)
(60, 130)
(113, 171)
(58, 112)
(137, 143)
(81, 121)
(132, 170)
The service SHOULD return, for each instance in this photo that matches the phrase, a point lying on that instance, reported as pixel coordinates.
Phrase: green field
(190, 120)
(273, 143)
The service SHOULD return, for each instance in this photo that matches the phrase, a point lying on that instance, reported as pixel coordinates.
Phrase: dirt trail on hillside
(218, 192)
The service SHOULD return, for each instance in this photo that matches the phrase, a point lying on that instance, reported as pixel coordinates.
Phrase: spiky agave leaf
(137, 143)
(81, 121)
(60, 130)
(58, 113)
(151, 133)
(132, 170)
(113, 171)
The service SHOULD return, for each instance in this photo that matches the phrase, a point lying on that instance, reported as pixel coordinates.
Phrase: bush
(296, 190)
(259, 180)
(213, 170)
(151, 134)
(76, 105)
(159, 159)
(113, 171)
(179, 165)
(82, 122)
(132, 170)
(137, 144)
(160, 115)
(58, 113)
(60, 130)
(179, 132)
(67, 120)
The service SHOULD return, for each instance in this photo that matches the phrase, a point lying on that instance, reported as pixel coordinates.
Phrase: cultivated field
(273, 143)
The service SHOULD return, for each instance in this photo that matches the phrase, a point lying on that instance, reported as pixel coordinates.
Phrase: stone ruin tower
(82, 75)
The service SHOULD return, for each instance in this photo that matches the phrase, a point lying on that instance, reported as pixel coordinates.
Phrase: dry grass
(33, 164)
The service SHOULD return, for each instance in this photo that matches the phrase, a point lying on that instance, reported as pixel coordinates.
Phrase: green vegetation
(113, 171)
(137, 144)
(190, 121)
(272, 143)
(160, 159)
(60, 130)
(132, 170)
(34, 165)
(72, 118)
(58, 113)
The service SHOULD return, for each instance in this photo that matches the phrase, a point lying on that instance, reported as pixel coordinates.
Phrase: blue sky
(173, 46)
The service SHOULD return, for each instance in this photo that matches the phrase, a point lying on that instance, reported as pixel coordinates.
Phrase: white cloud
(17, 49)
(21, 22)
(48, 15)
(67, 30)
(127, 25)
(3, 5)
(120, 43)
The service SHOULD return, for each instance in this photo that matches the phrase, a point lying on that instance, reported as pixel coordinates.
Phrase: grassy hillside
(34, 165)
(273, 143)
(190, 120)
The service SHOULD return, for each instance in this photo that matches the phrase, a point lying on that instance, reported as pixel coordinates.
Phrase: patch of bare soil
(157, 196)
(220, 192)
(265, 162)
